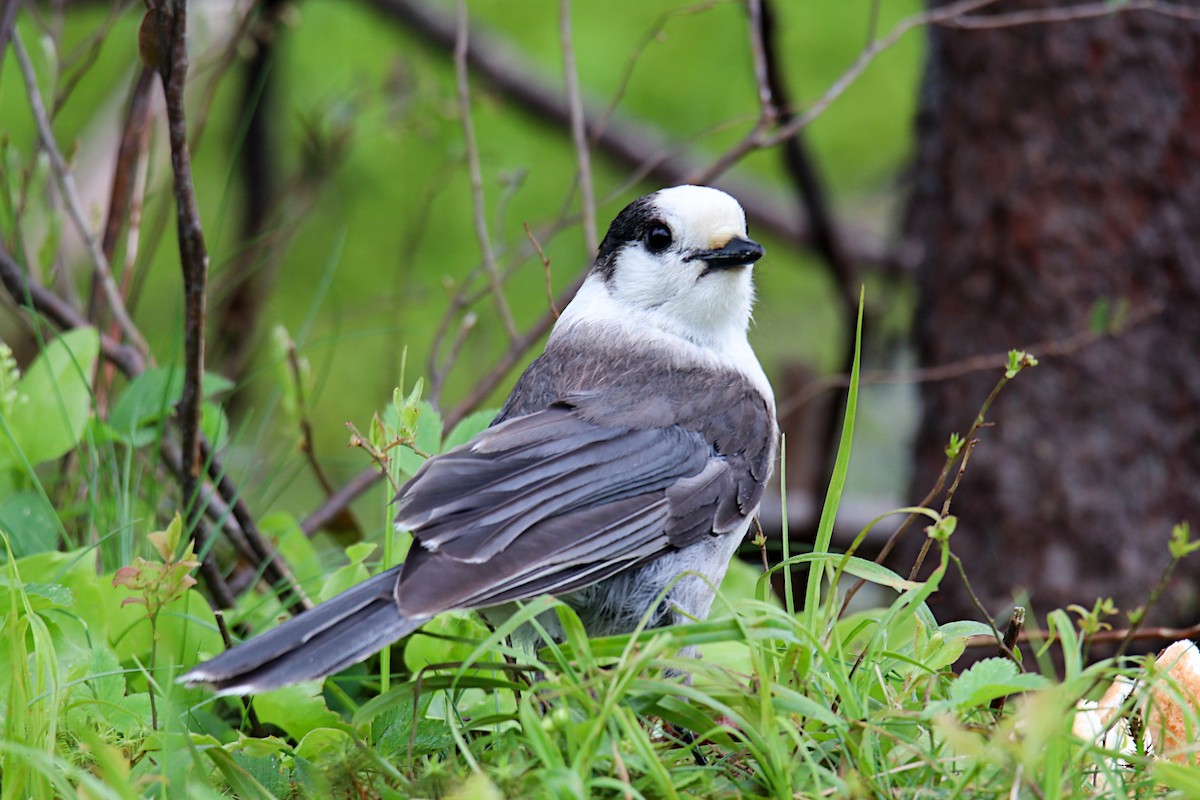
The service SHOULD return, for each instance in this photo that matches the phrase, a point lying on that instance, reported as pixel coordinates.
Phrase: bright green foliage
(44, 414)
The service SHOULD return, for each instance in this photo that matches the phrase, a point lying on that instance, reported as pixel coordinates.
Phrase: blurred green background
(374, 214)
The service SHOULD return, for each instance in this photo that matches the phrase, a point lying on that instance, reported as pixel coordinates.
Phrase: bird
(620, 475)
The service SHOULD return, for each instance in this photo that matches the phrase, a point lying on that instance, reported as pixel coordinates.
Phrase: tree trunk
(1058, 174)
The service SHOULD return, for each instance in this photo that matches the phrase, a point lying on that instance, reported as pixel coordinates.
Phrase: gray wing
(551, 501)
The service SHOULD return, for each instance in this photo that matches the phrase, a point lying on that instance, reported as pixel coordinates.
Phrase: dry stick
(477, 200)
(758, 139)
(70, 195)
(545, 269)
(163, 37)
(587, 193)
(33, 295)
(631, 143)
(132, 145)
(1071, 14)
(1132, 634)
(1051, 348)
(165, 41)
(306, 431)
(1016, 621)
(124, 208)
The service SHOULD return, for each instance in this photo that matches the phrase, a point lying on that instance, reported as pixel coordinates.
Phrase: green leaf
(58, 385)
(392, 729)
(833, 495)
(468, 427)
(877, 573)
(440, 647)
(320, 743)
(298, 710)
(150, 399)
(989, 679)
(30, 523)
(427, 438)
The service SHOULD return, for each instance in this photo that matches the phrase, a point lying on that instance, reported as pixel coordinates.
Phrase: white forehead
(708, 215)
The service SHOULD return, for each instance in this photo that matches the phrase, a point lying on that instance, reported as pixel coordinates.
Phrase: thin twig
(951, 460)
(1050, 348)
(167, 24)
(70, 196)
(477, 199)
(968, 448)
(1119, 636)
(1043, 16)
(579, 135)
(306, 431)
(545, 269)
(633, 144)
(27, 292)
(758, 139)
(164, 47)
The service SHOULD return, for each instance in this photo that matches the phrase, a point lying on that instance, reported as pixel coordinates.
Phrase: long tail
(339, 632)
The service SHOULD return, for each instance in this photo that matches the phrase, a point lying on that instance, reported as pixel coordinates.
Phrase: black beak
(737, 252)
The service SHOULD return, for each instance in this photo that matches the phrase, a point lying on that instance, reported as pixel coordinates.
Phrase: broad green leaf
(988, 679)
(320, 743)
(29, 522)
(151, 397)
(440, 647)
(468, 426)
(298, 710)
(428, 439)
(351, 574)
(58, 385)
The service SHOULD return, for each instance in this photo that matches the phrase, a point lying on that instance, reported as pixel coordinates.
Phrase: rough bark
(1059, 169)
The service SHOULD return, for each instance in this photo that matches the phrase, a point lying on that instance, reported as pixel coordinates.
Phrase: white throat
(689, 334)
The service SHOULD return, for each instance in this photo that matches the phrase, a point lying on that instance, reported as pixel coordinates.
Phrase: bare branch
(481, 229)
(837, 88)
(70, 194)
(340, 500)
(164, 47)
(1044, 16)
(131, 152)
(635, 145)
(169, 21)
(587, 193)
(65, 316)
(1051, 348)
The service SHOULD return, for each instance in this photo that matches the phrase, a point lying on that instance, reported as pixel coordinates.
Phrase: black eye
(658, 237)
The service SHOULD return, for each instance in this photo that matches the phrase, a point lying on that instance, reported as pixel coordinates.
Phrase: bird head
(679, 260)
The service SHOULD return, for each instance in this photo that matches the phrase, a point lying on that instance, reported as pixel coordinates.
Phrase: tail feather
(339, 632)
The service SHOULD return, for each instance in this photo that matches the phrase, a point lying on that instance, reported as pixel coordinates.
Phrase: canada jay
(629, 458)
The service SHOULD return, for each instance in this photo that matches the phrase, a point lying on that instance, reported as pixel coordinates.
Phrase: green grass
(785, 702)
